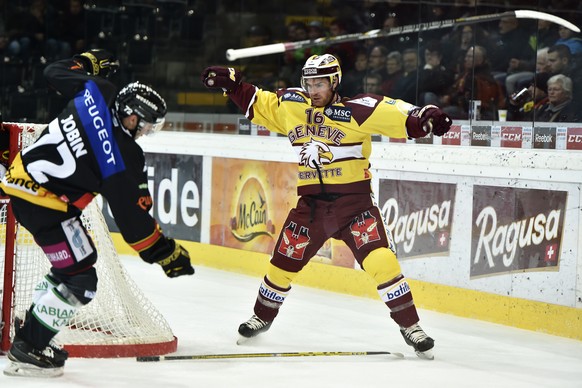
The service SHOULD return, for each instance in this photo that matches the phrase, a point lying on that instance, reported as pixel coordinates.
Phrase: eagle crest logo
(315, 153)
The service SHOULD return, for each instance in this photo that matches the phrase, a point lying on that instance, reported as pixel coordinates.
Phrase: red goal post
(119, 322)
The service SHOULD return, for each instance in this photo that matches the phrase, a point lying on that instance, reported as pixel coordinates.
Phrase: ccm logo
(511, 136)
(452, 135)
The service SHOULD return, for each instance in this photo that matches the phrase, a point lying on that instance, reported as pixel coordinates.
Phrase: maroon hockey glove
(226, 78)
(423, 121)
(178, 263)
(98, 62)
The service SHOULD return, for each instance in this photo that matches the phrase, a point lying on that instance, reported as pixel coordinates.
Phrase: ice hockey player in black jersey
(88, 149)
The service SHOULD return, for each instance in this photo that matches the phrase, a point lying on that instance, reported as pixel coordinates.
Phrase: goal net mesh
(119, 322)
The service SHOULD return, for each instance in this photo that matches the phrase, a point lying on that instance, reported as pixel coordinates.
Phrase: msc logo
(339, 114)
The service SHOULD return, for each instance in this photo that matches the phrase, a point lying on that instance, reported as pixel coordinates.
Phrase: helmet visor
(147, 129)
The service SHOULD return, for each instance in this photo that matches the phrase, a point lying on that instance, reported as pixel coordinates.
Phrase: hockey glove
(228, 79)
(98, 62)
(426, 120)
(178, 263)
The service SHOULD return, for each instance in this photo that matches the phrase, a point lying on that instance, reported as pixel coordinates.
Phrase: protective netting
(119, 322)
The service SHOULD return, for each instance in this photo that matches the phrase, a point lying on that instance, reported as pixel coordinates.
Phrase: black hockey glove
(226, 78)
(178, 263)
(426, 120)
(98, 62)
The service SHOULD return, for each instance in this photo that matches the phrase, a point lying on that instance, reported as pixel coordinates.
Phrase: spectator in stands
(476, 83)
(434, 79)
(519, 80)
(510, 49)
(559, 59)
(343, 51)
(74, 25)
(34, 33)
(544, 36)
(315, 30)
(525, 104)
(406, 87)
(292, 28)
(26, 34)
(372, 83)
(456, 44)
(56, 45)
(294, 59)
(377, 61)
(570, 39)
(559, 107)
(560, 62)
(367, 15)
(352, 82)
(398, 42)
(259, 70)
(395, 70)
(280, 83)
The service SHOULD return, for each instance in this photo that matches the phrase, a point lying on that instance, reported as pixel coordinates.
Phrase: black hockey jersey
(83, 152)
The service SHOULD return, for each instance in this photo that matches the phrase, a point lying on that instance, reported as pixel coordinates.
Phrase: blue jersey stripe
(96, 120)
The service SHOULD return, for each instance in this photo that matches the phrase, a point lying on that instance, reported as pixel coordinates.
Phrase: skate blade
(428, 355)
(15, 368)
(241, 340)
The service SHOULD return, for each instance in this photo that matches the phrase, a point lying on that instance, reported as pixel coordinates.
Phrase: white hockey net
(119, 322)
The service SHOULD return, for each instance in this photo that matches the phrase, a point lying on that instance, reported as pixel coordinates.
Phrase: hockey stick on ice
(263, 355)
(276, 48)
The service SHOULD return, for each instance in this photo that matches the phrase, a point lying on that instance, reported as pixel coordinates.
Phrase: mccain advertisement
(175, 183)
(250, 201)
(419, 215)
(516, 229)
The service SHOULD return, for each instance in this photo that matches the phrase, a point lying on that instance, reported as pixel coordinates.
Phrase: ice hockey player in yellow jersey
(332, 137)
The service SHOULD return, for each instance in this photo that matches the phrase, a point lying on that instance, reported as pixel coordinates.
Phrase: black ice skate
(25, 360)
(417, 338)
(251, 328)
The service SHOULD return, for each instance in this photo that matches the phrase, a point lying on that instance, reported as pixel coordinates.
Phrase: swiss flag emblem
(551, 253)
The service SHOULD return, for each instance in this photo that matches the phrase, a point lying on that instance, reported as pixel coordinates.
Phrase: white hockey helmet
(318, 66)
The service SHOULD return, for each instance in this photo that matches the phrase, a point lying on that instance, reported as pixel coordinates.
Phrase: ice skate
(251, 328)
(25, 360)
(417, 338)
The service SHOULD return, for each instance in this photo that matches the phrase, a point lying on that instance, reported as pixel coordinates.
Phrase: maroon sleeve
(243, 96)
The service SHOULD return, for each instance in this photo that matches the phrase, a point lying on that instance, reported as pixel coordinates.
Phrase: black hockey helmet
(141, 100)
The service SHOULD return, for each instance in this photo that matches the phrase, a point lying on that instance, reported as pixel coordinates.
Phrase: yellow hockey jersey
(332, 143)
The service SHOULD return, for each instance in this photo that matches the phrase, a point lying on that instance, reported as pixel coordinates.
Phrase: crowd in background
(531, 69)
